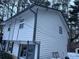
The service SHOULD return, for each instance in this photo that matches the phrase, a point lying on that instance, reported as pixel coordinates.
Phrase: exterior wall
(48, 24)
(26, 33)
(15, 33)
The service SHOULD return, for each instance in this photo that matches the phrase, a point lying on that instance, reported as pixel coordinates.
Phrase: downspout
(34, 32)
(27, 50)
(8, 41)
(38, 52)
(35, 23)
(35, 26)
(13, 29)
(19, 51)
(17, 35)
(13, 35)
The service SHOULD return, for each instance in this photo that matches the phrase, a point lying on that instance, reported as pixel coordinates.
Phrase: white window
(21, 26)
(9, 29)
(60, 30)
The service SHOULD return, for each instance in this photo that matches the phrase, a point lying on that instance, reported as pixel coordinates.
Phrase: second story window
(9, 29)
(21, 26)
(60, 30)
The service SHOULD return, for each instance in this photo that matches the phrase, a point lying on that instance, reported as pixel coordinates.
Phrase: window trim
(21, 25)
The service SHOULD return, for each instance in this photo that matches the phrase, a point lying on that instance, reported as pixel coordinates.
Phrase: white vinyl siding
(48, 23)
(25, 33)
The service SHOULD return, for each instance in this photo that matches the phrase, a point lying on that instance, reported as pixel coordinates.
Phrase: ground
(73, 55)
(4, 55)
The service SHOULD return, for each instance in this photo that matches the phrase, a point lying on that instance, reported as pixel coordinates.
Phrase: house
(38, 32)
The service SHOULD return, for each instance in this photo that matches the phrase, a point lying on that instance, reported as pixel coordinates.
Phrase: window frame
(21, 25)
(60, 30)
